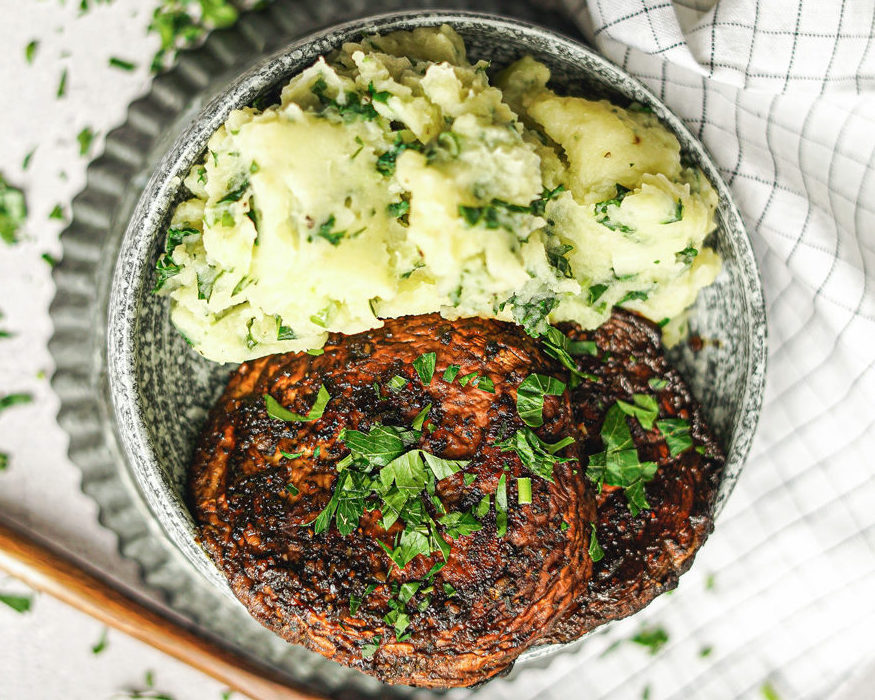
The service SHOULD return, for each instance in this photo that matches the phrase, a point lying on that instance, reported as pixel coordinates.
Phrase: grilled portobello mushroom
(367, 582)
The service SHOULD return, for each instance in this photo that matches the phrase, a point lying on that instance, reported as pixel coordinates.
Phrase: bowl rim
(133, 265)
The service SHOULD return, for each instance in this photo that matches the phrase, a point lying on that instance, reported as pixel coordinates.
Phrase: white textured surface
(793, 553)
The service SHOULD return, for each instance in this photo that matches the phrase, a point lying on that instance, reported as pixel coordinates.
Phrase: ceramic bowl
(161, 389)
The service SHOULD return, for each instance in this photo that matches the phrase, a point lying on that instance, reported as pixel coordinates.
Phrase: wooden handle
(44, 570)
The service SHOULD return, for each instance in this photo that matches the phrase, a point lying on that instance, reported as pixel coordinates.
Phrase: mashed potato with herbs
(394, 179)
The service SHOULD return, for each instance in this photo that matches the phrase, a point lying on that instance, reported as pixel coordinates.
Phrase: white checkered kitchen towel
(782, 93)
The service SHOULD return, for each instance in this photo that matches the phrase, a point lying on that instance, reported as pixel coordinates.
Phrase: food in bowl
(483, 447)
(394, 179)
(436, 515)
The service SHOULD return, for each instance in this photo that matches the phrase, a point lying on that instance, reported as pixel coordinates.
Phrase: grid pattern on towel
(782, 94)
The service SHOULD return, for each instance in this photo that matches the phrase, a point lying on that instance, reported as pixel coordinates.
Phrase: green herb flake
(705, 652)
(49, 259)
(251, 342)
(501, 507)
(19, 603)
(449, 590)
(420, 417)
(121, 64)
(653, 638)
(596, 553)
(30, 50)
(676, 432)
(563, 526)
(13, 211)
(57, 213)
(291, 455)
(85, 138)
(62, 84)
(424, 366)
(292, 490)
(677, 213)
(657, 383)
(4, 461)
(524, 490)
(686, 256)
(768, 691)
(636, 295)
(451, 372)
(378, 95)
(101, 643)
(645, 409)
(460, 524)
(276, 411)
(465, 379)
(710, 582)
(398, 209)
(444, 468)
(315, 352)
(326, 231)
(14, 400)
(236, 193)
(25, 164)
(537, 456)
(530, 397)
(396, 384)
(618, 464)
(595, 292)
(284, 332)
(603, 217)
(484, 384)
(368, 650)
(470, 479)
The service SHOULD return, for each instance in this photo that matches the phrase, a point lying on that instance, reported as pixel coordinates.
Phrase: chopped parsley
(378, 95)
(451, 372)
(532, 314)
(30, 50)
(326, 231)
(657, 384)
(284, 332)
(62, 84)
(353, 106)
(19, 603)
(398, 209)
(276, 411)
(420, 418)
(677, 214)
(206, 280)
(236, 193)
(251, 342)
(57, 213)
(466, 378)
(484, 384)
(396, 384)
(636, 295)
(101, 643)
(13, 211)
(596, 553)
(537, 456)
(676, 432)
(14, 400)
(25, 164)
(556, 257)
(166, 268)
(618, 464)
(596, 291)
(530, 397)
(603, 216)
(386, 162)
(424, 366)
(653, 638)
(645, 409)
(369, 649)
(291, 455)
(686, 256)
(50, 259)
(768, 691)
(4, 461)
(85, 137)
(121, 64)
(292, 490)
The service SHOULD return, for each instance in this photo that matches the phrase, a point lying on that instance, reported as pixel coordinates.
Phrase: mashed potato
(396, 180)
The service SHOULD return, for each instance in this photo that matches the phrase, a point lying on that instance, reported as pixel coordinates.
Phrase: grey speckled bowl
(161, 390)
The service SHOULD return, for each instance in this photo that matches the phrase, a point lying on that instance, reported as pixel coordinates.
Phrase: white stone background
(46, 653)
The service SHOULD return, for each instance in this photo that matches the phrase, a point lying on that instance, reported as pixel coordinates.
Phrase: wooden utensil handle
(45, 570)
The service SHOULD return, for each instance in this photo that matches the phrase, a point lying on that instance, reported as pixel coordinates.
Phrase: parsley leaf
(424, 366)
(379, 446)
(532, 314)
(276, 411)
(443, 468)
(396, 384)
(677, 214)
(420, 418)
(19, 603)
(645, 409)
(530, 397)
(451, 372)
(121, 64)
(601, 211)
(537, 456)
(326, 231)
(657, 383)
(687, 255)
(596, 553)
(85, 137)
(166, 268)
(676, 432)
(618, 464)
(14, 400)
(460, 524)
(654, 638)
(13, 211)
